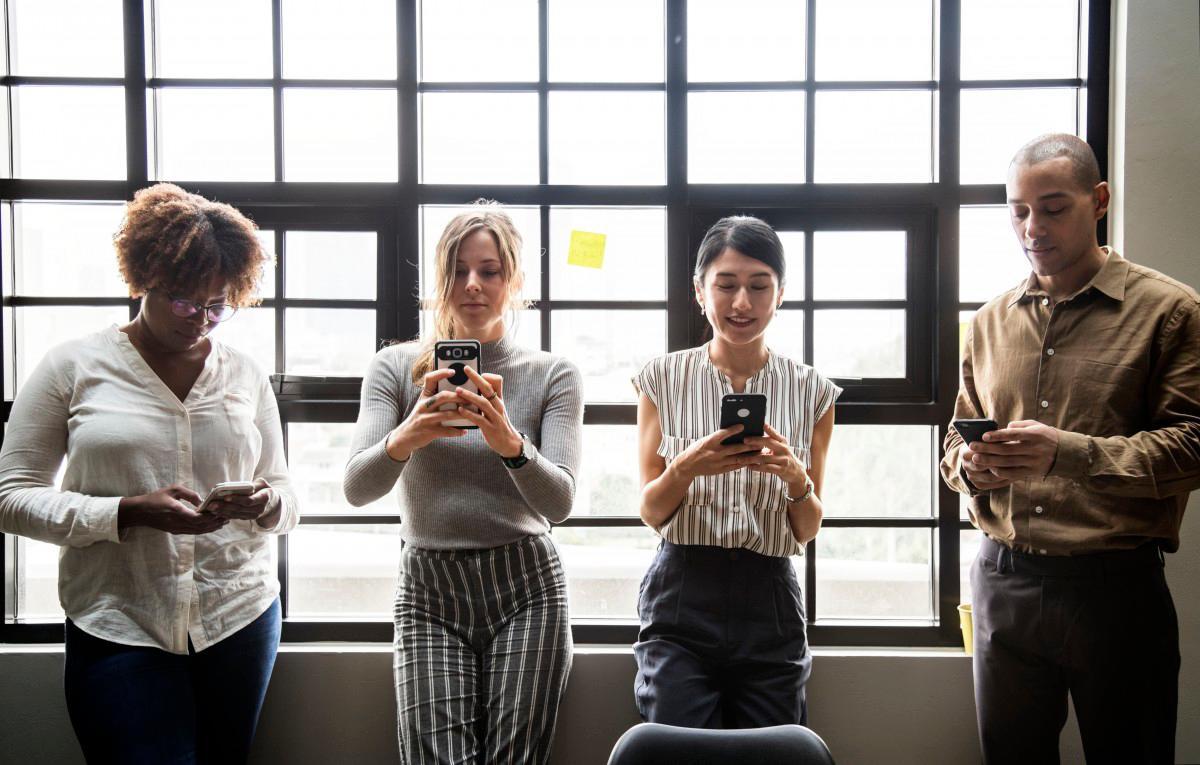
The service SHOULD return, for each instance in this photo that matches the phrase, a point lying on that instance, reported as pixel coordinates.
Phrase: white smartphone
(226, 489)
(456, 355)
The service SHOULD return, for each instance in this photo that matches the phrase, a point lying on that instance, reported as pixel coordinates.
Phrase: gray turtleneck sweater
(455, 493)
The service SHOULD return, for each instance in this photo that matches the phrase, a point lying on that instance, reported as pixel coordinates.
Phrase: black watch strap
(512, 463)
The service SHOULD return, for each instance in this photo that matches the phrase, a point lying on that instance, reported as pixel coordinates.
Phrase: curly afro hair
(175, 241)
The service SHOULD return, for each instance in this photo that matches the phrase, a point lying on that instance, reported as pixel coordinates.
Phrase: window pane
(252, 331)
(785, 334)
(746, 137)
(605, 568)
(968, 548)
(213, 38)
(529, 225)
(859, 265)
(634, 266)
(215, 134)
(793, 256)
(607, 138)
(610, 347)
(863, 458)
(329, 341)
(37, 329)
(339, 135)
(851, 147)
(317, 455)
(585, 34)
(759, 40)
(995, 123)
(358, 41)
(479, 41)
(344, 571)
(330, 264)
(68, 132)
(455, 150)
(874, 574)
(80, 38)
(851, 343)
(37, 581)
(1019, 39)
(990, 259)
(608, 480)
(5, 122)
(66, 250)
(875, 40)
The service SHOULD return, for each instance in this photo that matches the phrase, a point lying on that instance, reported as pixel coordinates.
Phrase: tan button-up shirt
(1116, 367)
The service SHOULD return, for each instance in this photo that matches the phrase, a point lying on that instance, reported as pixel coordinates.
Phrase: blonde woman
(483, 642)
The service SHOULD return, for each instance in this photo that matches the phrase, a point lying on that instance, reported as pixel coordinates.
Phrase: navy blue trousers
(722, 642)
(136, 705)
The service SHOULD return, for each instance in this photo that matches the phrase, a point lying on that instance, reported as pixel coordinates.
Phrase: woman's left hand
(492, 418)
(778, 458)
(263, 506)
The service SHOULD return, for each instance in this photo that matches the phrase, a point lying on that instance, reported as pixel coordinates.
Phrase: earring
(702, 311)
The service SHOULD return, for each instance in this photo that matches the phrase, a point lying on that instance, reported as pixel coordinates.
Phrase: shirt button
(1045, 301)
(1038, 509)
(1049, 351)
(1045, 404)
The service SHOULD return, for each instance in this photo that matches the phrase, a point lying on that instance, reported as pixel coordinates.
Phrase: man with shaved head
(1091, 368)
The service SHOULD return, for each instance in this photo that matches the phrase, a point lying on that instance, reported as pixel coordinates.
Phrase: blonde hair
(484, 215)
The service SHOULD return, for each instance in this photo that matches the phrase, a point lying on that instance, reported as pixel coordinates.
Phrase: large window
(874, 135)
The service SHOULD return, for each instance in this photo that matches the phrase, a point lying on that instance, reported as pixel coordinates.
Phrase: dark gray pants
(1101, 628)
(722, 642)
(483, 649)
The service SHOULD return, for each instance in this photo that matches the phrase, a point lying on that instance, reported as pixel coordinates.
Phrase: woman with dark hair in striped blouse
(722, 641)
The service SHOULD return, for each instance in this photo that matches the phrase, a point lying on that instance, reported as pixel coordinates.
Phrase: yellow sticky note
(587, 249)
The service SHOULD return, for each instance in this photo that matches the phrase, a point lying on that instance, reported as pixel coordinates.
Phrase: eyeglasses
(216, 312)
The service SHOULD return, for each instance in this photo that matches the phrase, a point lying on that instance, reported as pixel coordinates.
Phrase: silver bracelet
(806, 496)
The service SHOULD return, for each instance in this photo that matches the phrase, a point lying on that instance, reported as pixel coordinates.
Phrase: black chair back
(654, 744)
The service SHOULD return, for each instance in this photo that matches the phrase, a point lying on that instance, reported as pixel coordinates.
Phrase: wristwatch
(806, 496)
(512, 463)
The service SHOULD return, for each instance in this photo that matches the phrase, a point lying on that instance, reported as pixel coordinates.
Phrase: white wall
(1156, 222)
(333, 704)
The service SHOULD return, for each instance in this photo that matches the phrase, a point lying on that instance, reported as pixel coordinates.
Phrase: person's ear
(1101, 198)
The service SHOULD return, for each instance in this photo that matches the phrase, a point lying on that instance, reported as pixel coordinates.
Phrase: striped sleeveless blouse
(739, 509)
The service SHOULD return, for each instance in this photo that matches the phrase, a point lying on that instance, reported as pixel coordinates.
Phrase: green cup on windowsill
(968, 627)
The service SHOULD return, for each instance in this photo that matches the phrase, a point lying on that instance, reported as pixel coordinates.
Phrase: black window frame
(928, 211)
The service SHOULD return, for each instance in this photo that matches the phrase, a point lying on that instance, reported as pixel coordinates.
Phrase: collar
(773, 367)
(1109, 280)
(496, 351)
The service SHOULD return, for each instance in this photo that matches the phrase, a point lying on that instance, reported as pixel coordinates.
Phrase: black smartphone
(748, 409)
(456, 355)
(973, 430)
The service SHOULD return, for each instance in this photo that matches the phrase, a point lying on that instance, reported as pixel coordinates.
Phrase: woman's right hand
(709, 456)
(165, 510)
(426, 422)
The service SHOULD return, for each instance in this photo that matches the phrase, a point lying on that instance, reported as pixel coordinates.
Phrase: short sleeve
(826, 393)
(649, 381)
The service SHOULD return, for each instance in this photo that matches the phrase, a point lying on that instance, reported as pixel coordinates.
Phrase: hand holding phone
(456, 355)
(746, 409)
(973, 430)
(226, 489)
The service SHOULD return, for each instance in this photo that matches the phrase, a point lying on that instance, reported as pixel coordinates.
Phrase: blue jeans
(133, 704)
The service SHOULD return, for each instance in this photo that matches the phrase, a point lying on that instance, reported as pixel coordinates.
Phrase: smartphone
(748, 409)
(973, 430)
(457, 355)
(227, 489)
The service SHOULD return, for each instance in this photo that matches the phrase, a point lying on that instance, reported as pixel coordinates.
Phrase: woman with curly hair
(172, 607)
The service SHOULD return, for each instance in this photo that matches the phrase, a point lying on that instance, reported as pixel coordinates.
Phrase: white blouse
(123, 433)
(742, 508)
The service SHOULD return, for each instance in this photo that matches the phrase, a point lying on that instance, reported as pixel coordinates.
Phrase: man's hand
(1025, 449)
